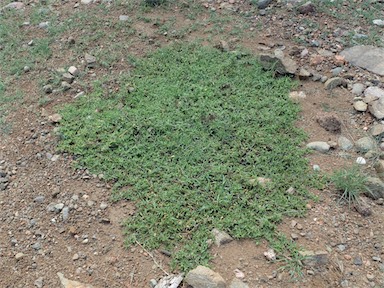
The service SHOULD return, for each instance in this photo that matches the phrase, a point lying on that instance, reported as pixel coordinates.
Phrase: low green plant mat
(188, 144)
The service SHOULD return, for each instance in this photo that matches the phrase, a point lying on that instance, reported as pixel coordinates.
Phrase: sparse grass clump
(351, 183)
(185, 138)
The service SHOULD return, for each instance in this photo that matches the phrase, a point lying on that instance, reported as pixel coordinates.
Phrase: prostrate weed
(186, 138)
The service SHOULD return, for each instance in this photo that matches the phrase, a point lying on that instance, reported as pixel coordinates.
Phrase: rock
(365, 144)
(19, 256)
(123, 17)
(336, 71)
(73, 71)
(65, 86)
(377, 130)
(279, 64)
(203, 277)
(344, 143)
(270, 255)
(44, 25)
(168, 281)
(379, 167)
(296, 96)
(378, 22)
(55, 118)
(36, 246)
(13, 6)
(304, 74)
(65, 213)
(68, 77)
(237, 283)
(86, 2)
(319, 146)
(329, 122)
(375, 188)
(372, 94)
(39, 199)
(58, 207)
(262, 4)
(339, 60)
(47, 89)
(376, 108)
(335, 82)
(316, 60)
(358, 261)
(360, 106)
(367, 57)
(314, 259)
(90, 60)
(361, 161)
(223, 46)
(39, 282)
(221, 237)
(103, 205)
(358, 89)
(307, 8)
(66, 283)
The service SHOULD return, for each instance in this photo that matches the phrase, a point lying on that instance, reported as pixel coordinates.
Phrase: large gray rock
(368, 57)
(375, 188)
(319, 146)
(344, 143)
(279, 63)
(221, 237)
(365, 144)
(262, 4)
(372, 94)
(314, 259)
(203, 277)
(66, 283)
(237, 283)
(377, 130)
(376, 108)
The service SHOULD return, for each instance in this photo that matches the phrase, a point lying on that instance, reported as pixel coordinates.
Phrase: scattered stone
(19, 256)
(314, 259)
(58, 207)
(279, 64)
(379, 167)
(73, 71)
(361, 161)
(204, 277)
(371, 277)
(358, 89)
(68, 77)
(376, 108)
(319, 146)
(339, 60)
(296, 96)
(39, 199)
(304, 74)
(39, 282)
(103, 205)
(26, 69)
(294, 236)
(55, 118)
(363, 209)
(13, 6)
(360, 106)
(307, 8)
(44, 25)
(378, 22)
(65, 86)
(86, 2)
(316, 60)
(221, 237)
(341, 247)
(65, 213)
(270, 255)
(237, 283)
(357, 261)
(47, 89)
(123, 17)
(66, 283)
(336, 71)
(365, 144)
(377, 130)
(55, 157)
(334, 82)
(373, 93)
(344, 143)
(36, 246)
(367, 57)
(223, 46)
(169, 281)
(316, 167)
(90, 60)
(375, 188)
(329, 122)
(262, 4)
